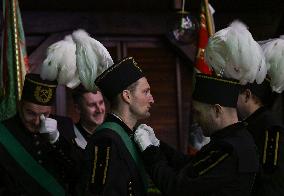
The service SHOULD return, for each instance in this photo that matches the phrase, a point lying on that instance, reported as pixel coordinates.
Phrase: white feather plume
(274, 55)
(92, 58)
(60, 63)
(233, 53)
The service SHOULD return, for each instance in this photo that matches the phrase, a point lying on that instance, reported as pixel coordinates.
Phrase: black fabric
(118, 77)
(216, 90)
(214, 170)
(38, 91)
(121, 174)
(60, 159)
(14, 180)
(270, 179)
(84, 133)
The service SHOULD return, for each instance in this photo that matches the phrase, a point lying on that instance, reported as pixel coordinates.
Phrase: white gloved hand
(48, 126)
(152, 135)
(141, 137)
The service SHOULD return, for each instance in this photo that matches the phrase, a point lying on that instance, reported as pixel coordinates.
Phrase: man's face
(203, 115)
(30, 115)
(141, 99)
(92, 108)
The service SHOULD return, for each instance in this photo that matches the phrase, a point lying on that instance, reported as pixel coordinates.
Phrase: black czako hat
(118, 77)
(216, 90)
(39, 91)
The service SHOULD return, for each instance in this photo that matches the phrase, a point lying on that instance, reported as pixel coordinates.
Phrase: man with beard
(36, 148)
(225, 166)
(113, 163)
(91, 108)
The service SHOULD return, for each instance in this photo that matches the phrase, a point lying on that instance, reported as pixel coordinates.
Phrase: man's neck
(126, 118)
(251, 109)
(88, 128)
(229, 118)
(254, 108)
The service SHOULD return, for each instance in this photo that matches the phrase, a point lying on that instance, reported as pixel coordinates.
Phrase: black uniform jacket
(268, 133)
(59, 159)
(225, 166)
(112, 168)
(84, 133)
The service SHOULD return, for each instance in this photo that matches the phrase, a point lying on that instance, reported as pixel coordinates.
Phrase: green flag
(14, 63)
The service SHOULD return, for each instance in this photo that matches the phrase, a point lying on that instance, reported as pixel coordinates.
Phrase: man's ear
(125, 95)
(218, 110)
(248, 94)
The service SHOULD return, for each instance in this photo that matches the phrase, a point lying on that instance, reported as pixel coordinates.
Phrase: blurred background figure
(255, 107)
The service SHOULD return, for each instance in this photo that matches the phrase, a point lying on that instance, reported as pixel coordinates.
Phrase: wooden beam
(186, 51)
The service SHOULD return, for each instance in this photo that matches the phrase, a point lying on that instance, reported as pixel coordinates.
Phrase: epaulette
(100, 165)
(207, 160)
(271, 148)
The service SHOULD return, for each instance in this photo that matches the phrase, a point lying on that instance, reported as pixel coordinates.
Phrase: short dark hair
(114, 101)
(78, 92)
(262, 93)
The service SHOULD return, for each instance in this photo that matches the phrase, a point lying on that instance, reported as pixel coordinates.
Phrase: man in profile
(227, 165)
(113, 163)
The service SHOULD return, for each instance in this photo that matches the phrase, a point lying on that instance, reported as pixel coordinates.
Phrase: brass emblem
(43, 94)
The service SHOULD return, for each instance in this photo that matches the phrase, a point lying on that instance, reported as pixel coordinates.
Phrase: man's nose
(36, 120)
(99, 108)
(151, 99)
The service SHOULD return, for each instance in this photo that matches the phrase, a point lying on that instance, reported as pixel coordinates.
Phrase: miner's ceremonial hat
(118, 77)
(216, 90)
(39, 91)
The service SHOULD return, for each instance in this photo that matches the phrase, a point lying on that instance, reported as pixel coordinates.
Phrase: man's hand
(151, 133)
(141, 137)
(48, 126)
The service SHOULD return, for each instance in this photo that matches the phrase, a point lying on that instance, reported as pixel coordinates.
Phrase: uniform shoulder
(210, 157)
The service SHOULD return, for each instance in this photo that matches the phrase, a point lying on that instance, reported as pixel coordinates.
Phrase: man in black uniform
(91, 108)
(254, 106)
(225, 166)
(113, 163)
(36, 148)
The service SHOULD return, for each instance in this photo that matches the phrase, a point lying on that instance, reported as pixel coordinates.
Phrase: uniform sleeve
(206, 173)
(68, 158)
(175, 159)
(272, 151)
(107, 169)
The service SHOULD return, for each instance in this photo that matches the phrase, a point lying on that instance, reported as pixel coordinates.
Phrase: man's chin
(145, 116)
